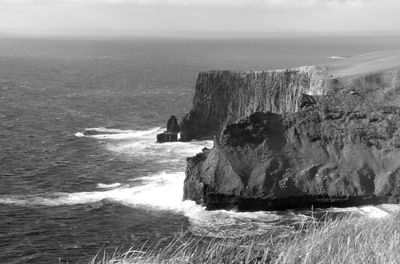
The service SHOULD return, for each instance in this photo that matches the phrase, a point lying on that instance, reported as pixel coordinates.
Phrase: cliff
(223, 97)
(321, 135)
(341, 150)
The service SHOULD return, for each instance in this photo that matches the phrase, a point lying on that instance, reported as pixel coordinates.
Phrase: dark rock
(167, 137)
(306, 101)
(225, 97)
(171, 134)
(344, 150)
(320, 135)
(172, 125)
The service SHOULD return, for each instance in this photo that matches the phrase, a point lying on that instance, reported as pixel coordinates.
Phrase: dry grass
(349, 239)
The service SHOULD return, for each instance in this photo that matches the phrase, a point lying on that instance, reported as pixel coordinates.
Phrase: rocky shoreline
(317, 136)
(341, 151)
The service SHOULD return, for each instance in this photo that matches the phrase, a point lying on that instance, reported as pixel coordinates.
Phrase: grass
(349, 239)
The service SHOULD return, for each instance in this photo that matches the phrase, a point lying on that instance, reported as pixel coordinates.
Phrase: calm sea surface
(63, 195)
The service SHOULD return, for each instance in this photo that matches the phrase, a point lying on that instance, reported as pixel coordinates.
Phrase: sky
(196, 17)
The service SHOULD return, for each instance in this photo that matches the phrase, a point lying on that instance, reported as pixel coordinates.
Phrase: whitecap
(166, 152)
(162, 191)
(117, 134)
(337, 57)
(79, 134)
(107, 186)
(143, 143)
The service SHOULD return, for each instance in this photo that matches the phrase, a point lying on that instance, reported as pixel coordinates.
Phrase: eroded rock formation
(224, 97)
(171, 134)
(321, 135)
(339, 150)
(172, 125)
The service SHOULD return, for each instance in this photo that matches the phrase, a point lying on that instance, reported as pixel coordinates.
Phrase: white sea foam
(337, 57)
(107, 130)
(143, 144)
(164, 190)
(79, 134)
(107, 186)
(118, 134)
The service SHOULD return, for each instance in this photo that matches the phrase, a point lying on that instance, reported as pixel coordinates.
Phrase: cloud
(113, 16)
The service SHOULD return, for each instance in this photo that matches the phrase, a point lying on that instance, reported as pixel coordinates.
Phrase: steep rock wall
(342, 150)
(224, 97)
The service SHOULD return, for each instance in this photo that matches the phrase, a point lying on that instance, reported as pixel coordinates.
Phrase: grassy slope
(365, 63)
(360, 65)
(351, 239)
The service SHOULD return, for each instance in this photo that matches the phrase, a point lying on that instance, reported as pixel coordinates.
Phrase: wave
(164, 190)
(112, 133)
(107, 130)
(337, 57)
(142, 144)
(107, 186)
(79, 134)
(159, 191)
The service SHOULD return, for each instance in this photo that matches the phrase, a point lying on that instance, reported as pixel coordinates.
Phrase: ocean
(65, 195)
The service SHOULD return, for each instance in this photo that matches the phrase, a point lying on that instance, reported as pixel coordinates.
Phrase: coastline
(323, 135)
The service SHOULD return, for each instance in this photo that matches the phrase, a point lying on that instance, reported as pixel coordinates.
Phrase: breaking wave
(112, 133)
(164, 190)
(108, 186)
(337, 57)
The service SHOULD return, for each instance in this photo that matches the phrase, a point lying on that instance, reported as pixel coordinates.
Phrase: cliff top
(351, 66)
(363, 64)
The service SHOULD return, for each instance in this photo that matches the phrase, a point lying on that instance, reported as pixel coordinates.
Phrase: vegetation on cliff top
(349, 239)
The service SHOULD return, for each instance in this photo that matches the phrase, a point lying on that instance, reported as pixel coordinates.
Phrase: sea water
(66, 193)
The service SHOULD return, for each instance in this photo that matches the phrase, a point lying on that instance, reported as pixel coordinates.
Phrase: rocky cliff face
(342, 149)
(321, 135)
(223, 97)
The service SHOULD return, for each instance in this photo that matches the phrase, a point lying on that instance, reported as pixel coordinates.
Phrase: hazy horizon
(192, 36)
(197, 18)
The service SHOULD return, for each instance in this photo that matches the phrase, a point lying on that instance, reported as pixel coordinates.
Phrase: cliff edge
(322, 135)
(342, 150)
(224, 97)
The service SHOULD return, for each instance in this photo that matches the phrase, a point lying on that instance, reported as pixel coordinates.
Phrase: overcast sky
(191, 17)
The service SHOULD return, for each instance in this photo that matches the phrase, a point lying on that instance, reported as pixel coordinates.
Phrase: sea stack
(171, 134)
(322, 136)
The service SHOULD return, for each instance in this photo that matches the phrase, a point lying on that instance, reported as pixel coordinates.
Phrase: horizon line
(192, 35)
